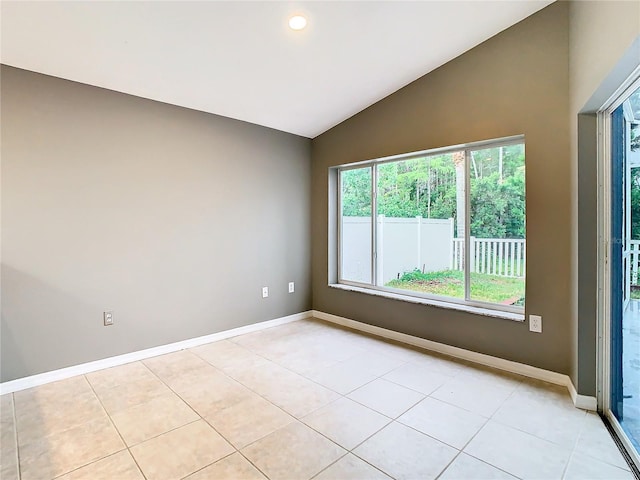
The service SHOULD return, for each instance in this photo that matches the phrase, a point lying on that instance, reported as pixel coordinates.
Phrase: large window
(447, 224)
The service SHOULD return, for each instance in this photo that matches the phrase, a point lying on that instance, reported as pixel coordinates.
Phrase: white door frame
(604, 241)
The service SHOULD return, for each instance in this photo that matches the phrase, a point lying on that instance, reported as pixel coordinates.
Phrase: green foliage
(635, 137)
(497, 208)
(635, 204)
(356, 192)
(428, 186)
(450, 283)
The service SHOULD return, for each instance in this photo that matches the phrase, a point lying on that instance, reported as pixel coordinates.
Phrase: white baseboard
(580, 401)
(61, 374)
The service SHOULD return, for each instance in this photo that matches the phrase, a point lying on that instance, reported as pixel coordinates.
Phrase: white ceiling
(239, 59)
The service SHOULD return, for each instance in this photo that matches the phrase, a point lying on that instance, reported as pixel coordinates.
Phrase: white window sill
(517, 317)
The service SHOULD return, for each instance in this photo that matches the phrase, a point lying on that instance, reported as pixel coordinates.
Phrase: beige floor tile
(465, 467)
(258, 340)
(180, 452)
(249, 420)
(50, 392)
(361, 368)
(335, 346)
(204, 373)
(386, 397)
(493, 376)
(127, 395)
(510, 450)
(298, 396)
(62, 452)
(64, 430)
(233, 467)
(150, 419)
(438, 363)
(263, 375)
(213, 394)
(9, 472)
(393, 349)
(119, 466)
(175, 365)
(476, 394)
(112, 377)
(346, 422)
(8, 442)
(225, 354)
(37, 418)
(543, 411)
(375, 363)
(582, 467)
(293, 452)
(6, 408)
(417, 378)
(404, 453)
(595, 441)
(54, 407)
(342, 378)
(351, 467)
(442, 421)
(303, 361)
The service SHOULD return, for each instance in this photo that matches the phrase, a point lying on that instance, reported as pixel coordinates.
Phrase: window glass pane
(355, 227)
(420, 225)
(497, 241)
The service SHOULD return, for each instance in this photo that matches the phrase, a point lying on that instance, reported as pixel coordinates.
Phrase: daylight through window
(447, 224)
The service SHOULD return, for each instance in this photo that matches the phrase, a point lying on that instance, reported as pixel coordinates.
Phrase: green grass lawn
(450, 283)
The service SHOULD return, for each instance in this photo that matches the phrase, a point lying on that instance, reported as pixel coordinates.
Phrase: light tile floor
(300, 401)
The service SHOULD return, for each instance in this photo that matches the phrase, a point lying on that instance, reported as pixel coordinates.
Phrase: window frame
(372, 164)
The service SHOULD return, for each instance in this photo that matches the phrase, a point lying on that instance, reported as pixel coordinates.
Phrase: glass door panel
(625, 260)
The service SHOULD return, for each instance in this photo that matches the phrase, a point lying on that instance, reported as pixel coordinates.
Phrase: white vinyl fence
(405, 244)
(505, 257)
(634, 261)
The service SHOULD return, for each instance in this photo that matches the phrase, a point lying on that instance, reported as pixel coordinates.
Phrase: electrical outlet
(535, 323)
(107, 318)
(292, 287)
(265, 292)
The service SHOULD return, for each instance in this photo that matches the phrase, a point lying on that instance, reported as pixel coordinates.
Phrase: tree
(433, 187)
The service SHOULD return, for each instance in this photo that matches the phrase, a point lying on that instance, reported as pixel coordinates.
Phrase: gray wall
(515, 83)
(604, 50)
(172, 218)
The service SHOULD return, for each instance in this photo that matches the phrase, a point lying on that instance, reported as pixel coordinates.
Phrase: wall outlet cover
(535, 323)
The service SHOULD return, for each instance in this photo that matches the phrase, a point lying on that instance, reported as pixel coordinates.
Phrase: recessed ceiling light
(297, 22)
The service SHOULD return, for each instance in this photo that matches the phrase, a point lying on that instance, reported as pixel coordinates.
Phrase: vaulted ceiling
(241, 60)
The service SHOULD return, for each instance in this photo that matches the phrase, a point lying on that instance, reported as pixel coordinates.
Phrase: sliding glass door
(623, 362)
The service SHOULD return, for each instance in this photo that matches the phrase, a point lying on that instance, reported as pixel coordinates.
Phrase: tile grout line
(295, 418)
(260, 394)
(488, 419)
(309, 413)
(208, 464)
(299, 419)
(575, 447)
(378, 377)
(485, 424)
(115, 427)
(87, 464)
(15, 435)
(331, 464)
(203, 418)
